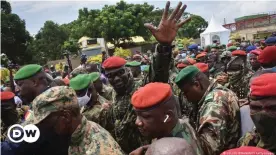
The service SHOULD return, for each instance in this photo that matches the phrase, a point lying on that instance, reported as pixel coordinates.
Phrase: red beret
(268, 55)
(229, 44)
(238, 53)
(144, 98)
(7, 95)
(248, 150)
(200, 55)
(203, 67)
(264, 85)
(114, 62)
(256, 52)
(191, 61)
(181, 65)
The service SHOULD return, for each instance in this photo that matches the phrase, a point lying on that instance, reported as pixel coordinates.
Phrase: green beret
(232, 48)
(94, 76)
(215, 46)
(133, 64)
(186, 73)
(27, 71)
(80, 82)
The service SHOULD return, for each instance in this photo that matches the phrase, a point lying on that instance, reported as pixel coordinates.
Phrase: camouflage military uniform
(184, 130)
(78, 71)
(241, 86)
(93, 113)
(140, 77)
(218, 119)
(251, 139)
(91, 139)
(4, 128)
(107, 92)
(88, 138)
(119, 120)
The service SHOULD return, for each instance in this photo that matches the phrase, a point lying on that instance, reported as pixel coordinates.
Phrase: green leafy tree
(124, 53)
(121, 21)
(71, 45)
(14, 36)
(49, 41)
(193, 28)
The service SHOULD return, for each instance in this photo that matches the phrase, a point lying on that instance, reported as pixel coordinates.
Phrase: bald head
(170, 146)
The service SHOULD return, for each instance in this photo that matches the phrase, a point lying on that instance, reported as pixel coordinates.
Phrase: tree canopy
(115, 23)
(14, 37)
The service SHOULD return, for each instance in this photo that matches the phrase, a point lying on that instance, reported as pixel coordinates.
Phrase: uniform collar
(178, 128)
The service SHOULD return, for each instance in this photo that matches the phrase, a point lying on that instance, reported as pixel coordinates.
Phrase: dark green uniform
(119, 120)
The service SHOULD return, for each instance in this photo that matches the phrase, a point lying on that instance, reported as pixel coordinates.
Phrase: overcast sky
(35, 13)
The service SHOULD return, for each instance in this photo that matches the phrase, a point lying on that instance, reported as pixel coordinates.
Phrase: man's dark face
(26, 90)
(192, 92)
(214, 50)
(136, 71)
(98, 85)
(118, 78)
(150, 123)
(211, 60)
(53, 137)
(254, 61)
(91, 68)
(91, 91)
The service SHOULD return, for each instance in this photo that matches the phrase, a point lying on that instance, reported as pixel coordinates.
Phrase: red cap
(203, 67)
(114, 62)
(256, 52)
(181, 65)
(264, 85)
(268, 55)
(143, 97)
(229, 44)
(238, 53)
(191, 61)
(201, 55)
(7, 95)
(248, 150)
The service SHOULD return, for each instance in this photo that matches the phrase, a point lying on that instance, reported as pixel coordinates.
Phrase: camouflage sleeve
(106, 119)
(93, 114)
(213, 128)
(249, 139)
(159, 69)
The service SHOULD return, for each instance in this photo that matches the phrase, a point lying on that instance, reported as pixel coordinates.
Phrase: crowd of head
(211, 101)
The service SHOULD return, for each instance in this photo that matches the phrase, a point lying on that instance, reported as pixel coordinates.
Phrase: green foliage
(71, 45)
(49, 41)
(121, 21)
(5, 7)
(193, 28)
(116, 23)
(124, 53)
(14, 37)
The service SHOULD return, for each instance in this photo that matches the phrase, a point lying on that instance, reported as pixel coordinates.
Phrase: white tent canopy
(214, 31)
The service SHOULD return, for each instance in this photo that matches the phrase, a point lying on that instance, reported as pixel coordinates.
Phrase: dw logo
(30, 133)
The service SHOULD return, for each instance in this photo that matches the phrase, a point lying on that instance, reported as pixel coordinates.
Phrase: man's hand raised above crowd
(168, 26)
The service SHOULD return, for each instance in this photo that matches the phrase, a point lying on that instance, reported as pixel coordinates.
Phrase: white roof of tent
(214, 26)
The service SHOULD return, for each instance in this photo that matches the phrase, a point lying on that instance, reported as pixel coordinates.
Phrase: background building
(258, 26)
